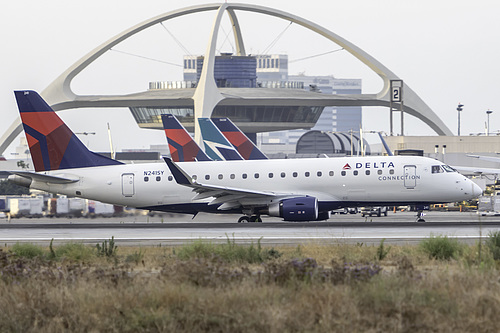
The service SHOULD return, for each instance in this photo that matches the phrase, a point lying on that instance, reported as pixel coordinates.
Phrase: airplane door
(128, 184)
(410, 174)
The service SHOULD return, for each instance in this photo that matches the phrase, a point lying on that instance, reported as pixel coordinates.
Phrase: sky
(446, 51)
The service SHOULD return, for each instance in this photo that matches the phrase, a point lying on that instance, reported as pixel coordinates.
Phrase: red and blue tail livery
(239, 140)
(53, 146)
(181, 144)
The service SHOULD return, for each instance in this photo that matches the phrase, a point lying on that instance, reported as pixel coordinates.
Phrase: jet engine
(296, 209)
(18, 180)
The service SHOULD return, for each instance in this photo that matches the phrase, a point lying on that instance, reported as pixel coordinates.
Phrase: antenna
(111, 143)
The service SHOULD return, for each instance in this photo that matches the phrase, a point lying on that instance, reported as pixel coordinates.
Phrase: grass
(229, 287)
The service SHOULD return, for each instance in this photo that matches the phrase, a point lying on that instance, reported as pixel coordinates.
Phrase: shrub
(382, 251)
(27, 250)
(441, 247)
(493, 244)
(73, 251)
(107, 250)
(229, 252)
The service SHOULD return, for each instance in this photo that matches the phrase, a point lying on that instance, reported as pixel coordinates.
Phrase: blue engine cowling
(296, 209)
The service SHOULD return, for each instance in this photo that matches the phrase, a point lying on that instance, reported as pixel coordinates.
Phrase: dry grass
(340, 289)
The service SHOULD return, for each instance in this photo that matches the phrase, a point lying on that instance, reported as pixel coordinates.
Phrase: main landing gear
(420, 216)
(252, 218)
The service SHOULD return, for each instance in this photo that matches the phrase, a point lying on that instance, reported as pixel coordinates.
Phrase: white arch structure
(206, 96)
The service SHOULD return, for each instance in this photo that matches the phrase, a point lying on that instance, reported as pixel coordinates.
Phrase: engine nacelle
(18, 180)
(296, 209)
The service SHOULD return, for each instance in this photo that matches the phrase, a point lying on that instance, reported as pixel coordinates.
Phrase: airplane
(181, 145)
(239, 140)
(294, 190)
(216, 145)
(184, 149)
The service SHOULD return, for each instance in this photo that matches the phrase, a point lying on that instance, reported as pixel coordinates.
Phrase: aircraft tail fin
(181, 144)
(53, 146)
(386, 146)
(216, 145)
(239, 140)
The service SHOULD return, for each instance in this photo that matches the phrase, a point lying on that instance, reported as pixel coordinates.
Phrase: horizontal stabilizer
(62, 179)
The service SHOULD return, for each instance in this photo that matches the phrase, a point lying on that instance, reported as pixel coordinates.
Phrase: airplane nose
(476, 190)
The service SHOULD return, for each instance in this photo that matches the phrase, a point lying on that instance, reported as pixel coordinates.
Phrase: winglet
(181, 177)
(53, 146)
(239, 140)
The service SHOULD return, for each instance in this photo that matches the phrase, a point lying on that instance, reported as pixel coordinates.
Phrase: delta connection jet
(294, 190)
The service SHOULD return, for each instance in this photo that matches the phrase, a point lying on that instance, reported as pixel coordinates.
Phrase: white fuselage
(335, 182)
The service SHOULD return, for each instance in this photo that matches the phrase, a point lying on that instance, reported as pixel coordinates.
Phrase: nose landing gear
(420, 216)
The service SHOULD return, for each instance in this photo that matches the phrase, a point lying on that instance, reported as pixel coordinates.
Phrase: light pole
(488, 112)
(459, 109)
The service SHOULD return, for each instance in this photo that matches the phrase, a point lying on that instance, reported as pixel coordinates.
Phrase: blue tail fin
(239, 140)
(216, 145)
(53, 146)
(181, 144)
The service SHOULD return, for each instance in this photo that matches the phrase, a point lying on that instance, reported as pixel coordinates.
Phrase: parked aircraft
(181, 144)
(295, 190)
(238, 139)
(216, 145)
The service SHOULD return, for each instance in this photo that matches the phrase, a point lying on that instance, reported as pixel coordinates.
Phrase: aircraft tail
(53, 146)
(216, 145)
(239, 140)
(181, 144)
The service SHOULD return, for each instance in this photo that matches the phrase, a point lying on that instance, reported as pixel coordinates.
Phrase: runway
(396, 228)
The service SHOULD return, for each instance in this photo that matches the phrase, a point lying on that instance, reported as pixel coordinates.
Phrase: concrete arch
(60, 96)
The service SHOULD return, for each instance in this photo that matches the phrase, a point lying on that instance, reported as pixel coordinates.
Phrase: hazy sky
(446, 51)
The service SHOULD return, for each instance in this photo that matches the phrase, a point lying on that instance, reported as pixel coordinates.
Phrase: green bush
(493, 244)
(27, 250)
(74, 251)
(229, 251)
(441, 247)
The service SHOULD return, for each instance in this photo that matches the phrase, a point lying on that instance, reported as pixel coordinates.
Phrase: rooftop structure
(265, 109)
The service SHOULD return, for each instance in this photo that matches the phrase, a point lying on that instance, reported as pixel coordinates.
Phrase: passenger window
(194, 177)
(158, 178)
(307, 174)
(146, 179)
(271, 175)
(319, 173)
(379, 172)
(295, 174)
(367, 172)
(232, 176)
(207, 177)
(170, 178)
(391, 172)
(355, 172)
(331, 173)
(343, 173)
(244, 176)
(256, 175)
(220, 176)
(283, 175)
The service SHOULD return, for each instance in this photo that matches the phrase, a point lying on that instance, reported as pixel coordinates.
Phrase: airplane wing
(229, 197)
(62, 179)
(476, 171)
(486, 158)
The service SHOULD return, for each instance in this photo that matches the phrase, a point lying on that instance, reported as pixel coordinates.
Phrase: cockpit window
(437, 169)
(448, 168)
